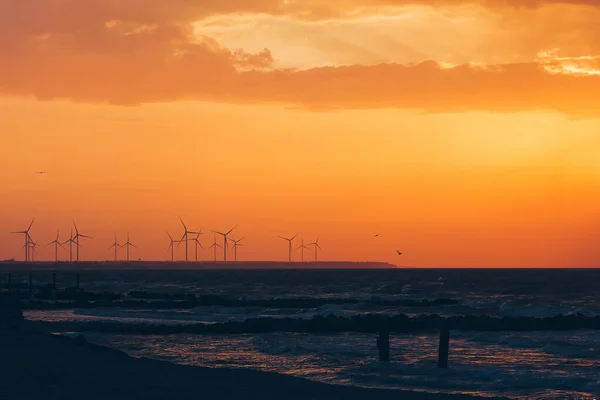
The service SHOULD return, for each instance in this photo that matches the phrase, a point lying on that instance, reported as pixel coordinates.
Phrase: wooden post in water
(30, 281)
(444, 348)
(383, 343)
(54, 280)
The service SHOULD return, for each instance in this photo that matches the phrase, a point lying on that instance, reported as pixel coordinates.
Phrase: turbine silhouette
(27, 239)
(33, 246)
(290, 240)
(76, 239)
(197, 243)
(56, 243)
(236, 243)
(214, 246)
(71, 242)
(185, 237)
(225, 246)
(302, 247)
(172, 247)
(127, 245)
(317, 248)
(116, 246)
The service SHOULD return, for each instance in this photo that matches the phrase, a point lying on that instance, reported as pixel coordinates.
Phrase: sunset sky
(465, 133)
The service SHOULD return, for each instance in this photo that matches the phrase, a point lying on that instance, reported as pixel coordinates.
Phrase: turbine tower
(116, 245)
(302, 247)
(172, 247)
(214, 246)
(27, 239)
(128, 244)
(317, 247)
(76, 239)
(225, 247)
(236, 243)
(185, 237)
(56, 243)
(290, 240)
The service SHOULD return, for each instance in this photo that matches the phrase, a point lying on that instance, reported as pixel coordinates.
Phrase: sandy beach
(42, 366)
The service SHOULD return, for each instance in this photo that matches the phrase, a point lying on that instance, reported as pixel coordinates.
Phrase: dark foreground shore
(41, 366)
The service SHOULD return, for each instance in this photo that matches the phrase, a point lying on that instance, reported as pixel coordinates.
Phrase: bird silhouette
(42, 173)
(377, 235)
(399, 253)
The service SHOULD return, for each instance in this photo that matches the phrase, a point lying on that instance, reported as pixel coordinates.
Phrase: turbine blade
(295, 236)
(183, 223)
(169, 235)
(30, 225)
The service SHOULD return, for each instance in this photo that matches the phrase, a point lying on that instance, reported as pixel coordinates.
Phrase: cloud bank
(138, 51)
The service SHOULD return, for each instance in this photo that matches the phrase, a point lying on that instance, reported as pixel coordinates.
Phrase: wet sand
(42, 366)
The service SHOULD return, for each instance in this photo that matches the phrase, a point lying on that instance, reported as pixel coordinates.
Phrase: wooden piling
(444, 348)
(383, 343)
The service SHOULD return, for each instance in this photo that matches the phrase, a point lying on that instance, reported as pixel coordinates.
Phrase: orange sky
(465, 133)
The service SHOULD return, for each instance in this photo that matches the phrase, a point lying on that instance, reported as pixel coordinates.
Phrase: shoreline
(39, 365)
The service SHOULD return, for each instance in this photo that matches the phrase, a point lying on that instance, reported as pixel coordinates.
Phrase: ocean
(525, 365)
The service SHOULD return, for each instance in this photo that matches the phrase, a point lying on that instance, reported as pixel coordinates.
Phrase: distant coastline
(206, 265)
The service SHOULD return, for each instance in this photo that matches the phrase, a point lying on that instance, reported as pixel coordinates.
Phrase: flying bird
(42, 172)
(377, 235)
(399, 253)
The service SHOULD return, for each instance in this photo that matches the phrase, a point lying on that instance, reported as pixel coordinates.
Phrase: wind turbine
(56, 243)
(128, 244)
(76, 239)
(71, 242)
(317, 247)
(172, 247)
(236, 243)
(197, 243)
(27, 239)
(225, 247)
(302, 247)
(33, 246)
(116, 245)
(290, 240)
(214, 246)
(186, 233)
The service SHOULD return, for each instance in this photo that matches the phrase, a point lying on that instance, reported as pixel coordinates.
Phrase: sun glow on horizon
(465, 134)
